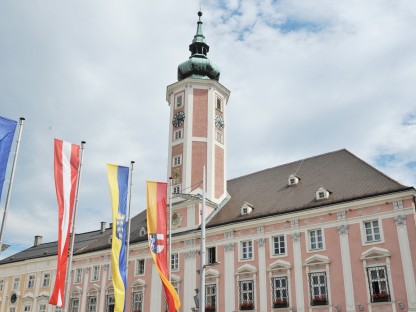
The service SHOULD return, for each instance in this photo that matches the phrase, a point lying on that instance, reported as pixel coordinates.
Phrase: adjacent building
(325, 233)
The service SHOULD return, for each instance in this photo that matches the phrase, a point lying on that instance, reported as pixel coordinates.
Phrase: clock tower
(197, 131)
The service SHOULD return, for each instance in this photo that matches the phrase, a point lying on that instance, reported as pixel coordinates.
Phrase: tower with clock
(197, 131)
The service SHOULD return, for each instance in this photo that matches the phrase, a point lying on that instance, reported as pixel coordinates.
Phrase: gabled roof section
(348, 177)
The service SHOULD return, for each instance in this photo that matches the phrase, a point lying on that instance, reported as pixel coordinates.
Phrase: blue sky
(306, 78)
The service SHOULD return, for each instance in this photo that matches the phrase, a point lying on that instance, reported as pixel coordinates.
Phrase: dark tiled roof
(51, 249)
(343, 174)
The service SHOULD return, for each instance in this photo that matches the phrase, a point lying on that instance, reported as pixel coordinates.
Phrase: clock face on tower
(219, 122)
(178, 119)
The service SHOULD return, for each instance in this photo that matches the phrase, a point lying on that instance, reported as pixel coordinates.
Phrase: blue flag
(7, 129)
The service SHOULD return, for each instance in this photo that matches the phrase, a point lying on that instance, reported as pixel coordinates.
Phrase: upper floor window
(31, 281)
(279, 247)
(137, 300)
(95, 273)
(318, 288)
(219, 137)
(74, 305)
(379, 285)
(280, 292)
(246, 250)
(212, 255)
(78, 275)
(46, 279)
(26, 308)
(16, 283)
(177, 160)
(246, 290)
(1, 284)
(12, 309)
(315, 239)
(140, 266)
(174, 262)
(372, 231)
(42, 307)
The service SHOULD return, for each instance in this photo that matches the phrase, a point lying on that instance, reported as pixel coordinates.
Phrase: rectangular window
(92, 304)
(279, 246)
(315, 239)
(219, 137)
(26, 308)
(78, 276)
(372, 231)
(318, 289)
(246, 295)
(42, 307)
(16, 283)
(95, 273)
(140, 266)
(46, 279)
(246, 250)
(74, 305)
(110, 302)
(178, 134)
(137, 300)
(280, 292)
(177, 160)
(211, 255)
(174, 262)
(177, 189)
(1, 284)
(219, 104)
(31, 282)
(379, 285)
(210, 298)
(12, 309)
(179, 101)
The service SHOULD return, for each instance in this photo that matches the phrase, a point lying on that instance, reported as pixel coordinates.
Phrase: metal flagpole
(128, 223)
(170, 230)
(3, 223)
(71, 251)
(202, 251)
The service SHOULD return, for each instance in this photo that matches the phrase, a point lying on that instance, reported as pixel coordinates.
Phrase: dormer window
(292, 180)
(322, 194)
(143, 231)
(246, 209)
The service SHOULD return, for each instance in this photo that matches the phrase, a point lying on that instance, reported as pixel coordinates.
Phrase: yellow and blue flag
(118, 177)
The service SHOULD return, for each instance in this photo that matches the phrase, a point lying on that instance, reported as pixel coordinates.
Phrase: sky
(306, 78)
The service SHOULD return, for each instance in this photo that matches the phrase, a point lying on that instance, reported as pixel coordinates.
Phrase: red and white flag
(66, 164)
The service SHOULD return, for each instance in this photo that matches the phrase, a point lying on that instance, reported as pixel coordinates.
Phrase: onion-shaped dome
(198, 65)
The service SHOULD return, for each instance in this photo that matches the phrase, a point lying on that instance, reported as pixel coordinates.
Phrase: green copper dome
(198, 65)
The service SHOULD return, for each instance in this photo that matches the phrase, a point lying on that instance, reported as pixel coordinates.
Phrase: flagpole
(202, 251)
(128, 223)
(170, 230)
(71, 251)
(3, 223)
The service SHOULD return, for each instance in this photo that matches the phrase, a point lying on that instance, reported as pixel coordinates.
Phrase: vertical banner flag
(7, 129)
(66, 166)
(156, 228)
(118, 178)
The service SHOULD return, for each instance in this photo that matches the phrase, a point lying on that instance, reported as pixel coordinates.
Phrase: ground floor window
(110, 302)
(137, 301)
(210, 298)
(92, 304)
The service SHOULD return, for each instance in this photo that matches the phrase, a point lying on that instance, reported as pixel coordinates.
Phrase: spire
(198, 65)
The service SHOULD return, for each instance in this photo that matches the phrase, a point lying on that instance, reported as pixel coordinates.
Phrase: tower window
(176, 189)
(179, 101)
(177, 160)
(178, 134)
(219, 137)
(219, 104)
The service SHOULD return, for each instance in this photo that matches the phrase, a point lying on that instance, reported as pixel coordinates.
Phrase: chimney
(102, 227)
(38, 240)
